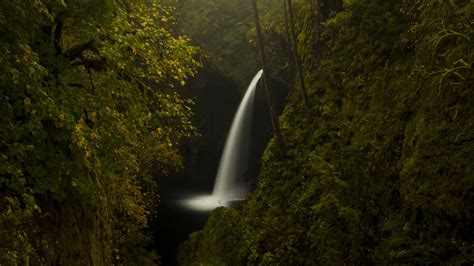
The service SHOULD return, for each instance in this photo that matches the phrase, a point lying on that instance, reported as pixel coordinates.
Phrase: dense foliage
(222, 30)
(85, 111)
(380, 171)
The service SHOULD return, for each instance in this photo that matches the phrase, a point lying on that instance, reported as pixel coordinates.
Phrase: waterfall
(229, 185)
(233, 162)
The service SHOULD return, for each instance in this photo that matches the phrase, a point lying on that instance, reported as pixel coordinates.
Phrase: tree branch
(58, 31)
(76, 51)
(95, 64)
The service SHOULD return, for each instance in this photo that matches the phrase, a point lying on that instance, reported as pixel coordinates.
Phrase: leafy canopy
(86, 110)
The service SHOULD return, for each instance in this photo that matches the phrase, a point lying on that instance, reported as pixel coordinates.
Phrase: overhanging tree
(83, 117)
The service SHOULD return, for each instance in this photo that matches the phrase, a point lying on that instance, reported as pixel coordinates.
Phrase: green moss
(381, 170)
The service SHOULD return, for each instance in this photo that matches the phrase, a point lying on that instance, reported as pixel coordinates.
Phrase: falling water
(234, 158)
(229, 185)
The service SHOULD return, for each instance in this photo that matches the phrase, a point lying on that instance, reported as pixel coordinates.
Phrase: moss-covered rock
(381, 170)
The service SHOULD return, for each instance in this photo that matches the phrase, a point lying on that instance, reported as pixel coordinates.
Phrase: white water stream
(229, 185)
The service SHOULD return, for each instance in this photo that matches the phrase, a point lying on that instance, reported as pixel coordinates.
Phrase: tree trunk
(273, 117)
(297, 59)
(289, 42)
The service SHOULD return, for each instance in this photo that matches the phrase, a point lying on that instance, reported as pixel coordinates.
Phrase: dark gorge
(356, 141)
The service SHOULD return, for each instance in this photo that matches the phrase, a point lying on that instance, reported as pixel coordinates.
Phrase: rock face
(380, 171)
